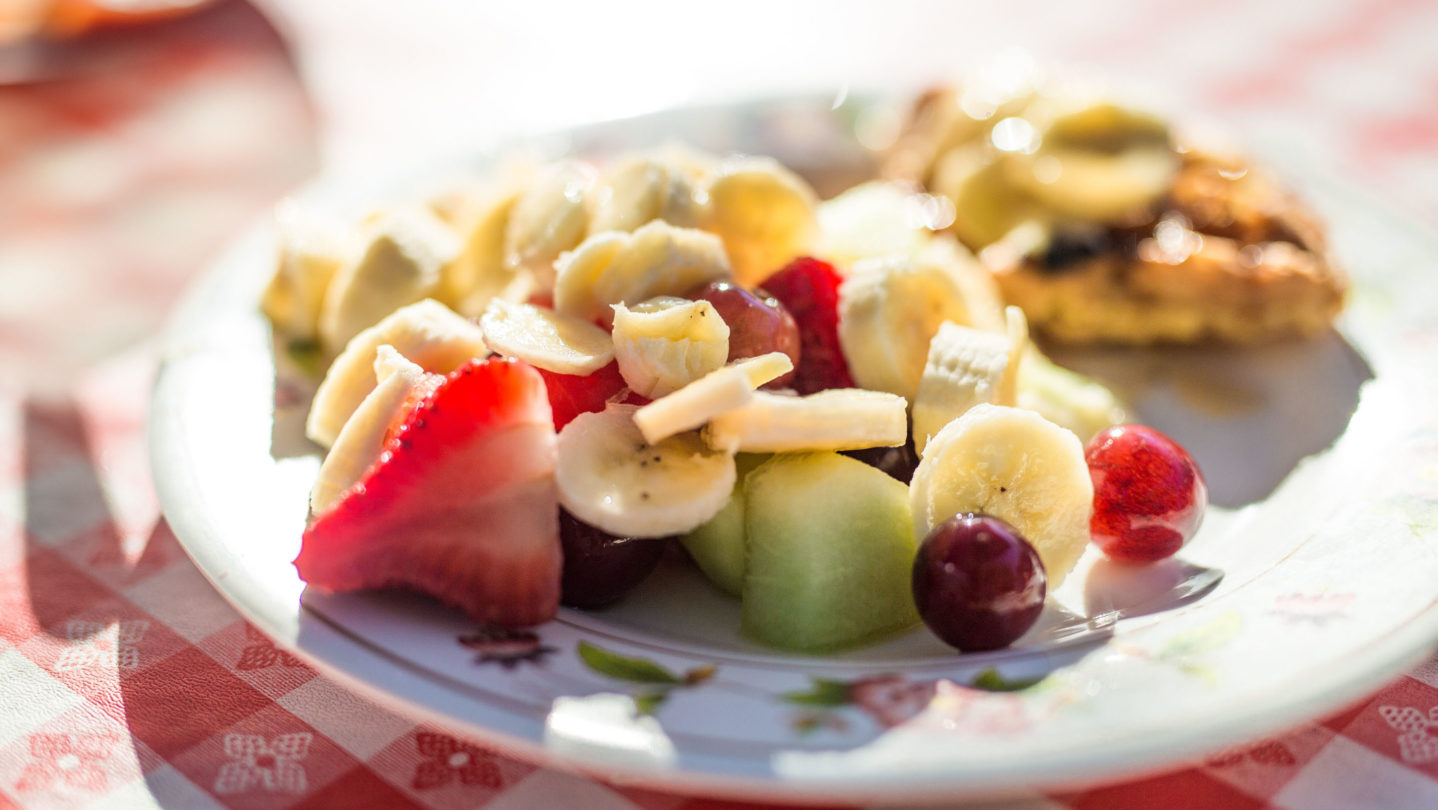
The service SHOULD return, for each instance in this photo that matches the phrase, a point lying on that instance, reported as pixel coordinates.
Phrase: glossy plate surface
(1311, 585)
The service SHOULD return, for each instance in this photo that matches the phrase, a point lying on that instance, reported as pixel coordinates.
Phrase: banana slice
(400, 264)
(664, 344)
(889, 310)
(480, 274)
(615, 268)
(987, 204)
(640, 190)
(362, 438)
(714, 393)
(1095, 160)
(311, 252)
(878, 219)
(427, 332)
(545, 339)
(837, 419)
(966, 367)
(764, 213)
(1079, 403)
(1016, 465)
(608, 476)
(550, 217)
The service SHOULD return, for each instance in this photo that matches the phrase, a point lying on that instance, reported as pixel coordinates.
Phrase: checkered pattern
(125, 680)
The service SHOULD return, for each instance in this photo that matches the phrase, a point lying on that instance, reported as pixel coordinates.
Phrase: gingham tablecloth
(126, 681)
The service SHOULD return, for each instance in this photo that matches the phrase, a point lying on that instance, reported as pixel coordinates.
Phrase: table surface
(126, 681)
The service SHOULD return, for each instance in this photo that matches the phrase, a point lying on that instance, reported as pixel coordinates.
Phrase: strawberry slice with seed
(461, 504)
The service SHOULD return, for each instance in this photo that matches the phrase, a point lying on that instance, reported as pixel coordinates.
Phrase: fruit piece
(663, 344)
(717, 545)
(978, 583)
(830, 553)
(426, 333)
(1148, 493)
(364, 434)
(714, 393)
(987, 205)
(480, 273)
(461, 505)
(545, 339)
(966, 367)
(757, 324)
(837, 419)
(399, 264)
(599, 567)
(1017, 466)
(878, 218)
(311, 252)
(898, 462)
(763, 212)
(643, 189)
(617, 268)
(1093, 160)
(573, 394)
(611, 478)
(1067, 398)
(549, 218)
(889, 310)
(809, 289)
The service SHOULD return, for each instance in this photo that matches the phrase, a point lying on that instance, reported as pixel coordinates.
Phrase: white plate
(1329, 563)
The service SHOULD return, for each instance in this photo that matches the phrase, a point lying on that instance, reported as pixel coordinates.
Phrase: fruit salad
(531, 395)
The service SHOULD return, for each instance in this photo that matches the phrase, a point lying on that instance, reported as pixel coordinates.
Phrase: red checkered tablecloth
(126, 681)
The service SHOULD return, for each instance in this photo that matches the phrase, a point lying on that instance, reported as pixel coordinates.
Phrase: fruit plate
(1310, 584)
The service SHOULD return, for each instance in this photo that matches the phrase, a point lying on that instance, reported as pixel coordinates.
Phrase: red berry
(461, 504)
(758, 323)
(809, 289)
(978, 584)
(573, 394)
(1148, 494)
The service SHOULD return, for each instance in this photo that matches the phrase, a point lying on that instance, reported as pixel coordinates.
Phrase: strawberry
(572, 394)
(461, 504)
(809, 289)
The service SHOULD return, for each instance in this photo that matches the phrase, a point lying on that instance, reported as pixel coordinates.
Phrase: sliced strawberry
(809, 289)
(426, 388)
(461, 504)
(572, 394)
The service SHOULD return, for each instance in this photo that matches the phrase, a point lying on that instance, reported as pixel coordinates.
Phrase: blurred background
(138, 136)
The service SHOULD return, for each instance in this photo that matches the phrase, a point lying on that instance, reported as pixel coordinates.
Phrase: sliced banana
(1015, 465)
(480, 274)
(615, 268)
(550, 217)
(664, 344)
(714, 393)
(640, 190)
(400, 263)
(1079, 403)
(427, 332)
(837, 419)
(889, 310)
(878, 218)
(987, 204)
(966, 367)
(311, 252)
(610, 477)
(764, 213)
(1096, 160)
(545, 339)
(362, 438)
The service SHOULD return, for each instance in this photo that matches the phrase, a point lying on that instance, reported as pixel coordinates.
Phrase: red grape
(1148, 494)
(758, 324)
(599, 567)
(898, 462)
(978, 584)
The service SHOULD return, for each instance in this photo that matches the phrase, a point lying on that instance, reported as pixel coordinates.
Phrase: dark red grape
(1148, 494)
(899, 462)
(978, 584)
(758, 323)
(599, 567)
